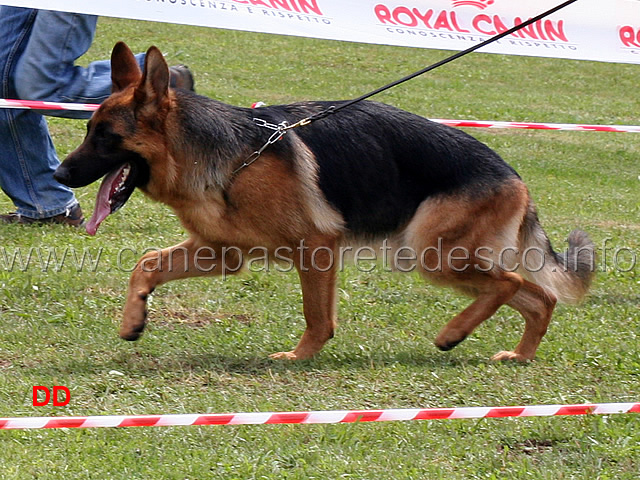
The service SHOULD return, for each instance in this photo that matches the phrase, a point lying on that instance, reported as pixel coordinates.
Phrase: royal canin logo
(481, 4)
(629, 36)
(402, 16)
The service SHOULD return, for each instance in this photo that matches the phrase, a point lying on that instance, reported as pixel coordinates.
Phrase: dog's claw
(507, 355)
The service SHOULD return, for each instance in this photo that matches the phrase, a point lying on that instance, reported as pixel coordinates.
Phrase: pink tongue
(103, 206)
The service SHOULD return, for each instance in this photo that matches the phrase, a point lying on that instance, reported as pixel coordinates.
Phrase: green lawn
(206, 347)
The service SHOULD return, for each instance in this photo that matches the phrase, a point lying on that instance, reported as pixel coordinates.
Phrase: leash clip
(279, 131)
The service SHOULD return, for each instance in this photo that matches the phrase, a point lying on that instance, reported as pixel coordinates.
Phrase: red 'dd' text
(40, 391)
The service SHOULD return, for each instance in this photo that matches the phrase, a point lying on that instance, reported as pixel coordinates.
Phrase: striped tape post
(90, 107)
(315, 417)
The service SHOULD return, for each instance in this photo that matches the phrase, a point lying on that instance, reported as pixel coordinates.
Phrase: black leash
(283, 127)
(453, 57)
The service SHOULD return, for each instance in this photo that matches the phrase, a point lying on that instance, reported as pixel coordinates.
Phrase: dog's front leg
(316, 265)
(187, 259)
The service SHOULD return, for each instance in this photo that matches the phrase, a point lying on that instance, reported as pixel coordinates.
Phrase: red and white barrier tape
(36, 105)
(89, 107)
(539, 126)
(315, 417)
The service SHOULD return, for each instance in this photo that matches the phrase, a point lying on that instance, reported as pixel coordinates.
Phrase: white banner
(602, 30)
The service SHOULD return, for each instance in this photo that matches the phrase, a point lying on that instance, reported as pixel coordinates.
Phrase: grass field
(206, 347)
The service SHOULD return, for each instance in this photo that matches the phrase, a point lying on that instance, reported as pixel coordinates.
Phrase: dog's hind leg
(187, 259)
(536, 306)
(317, 269)
(498, 289)
(469, 243)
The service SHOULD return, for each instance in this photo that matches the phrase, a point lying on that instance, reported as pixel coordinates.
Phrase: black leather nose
(62, 175)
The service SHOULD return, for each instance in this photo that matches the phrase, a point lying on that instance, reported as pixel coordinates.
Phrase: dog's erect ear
(154, 87)
(124, 67)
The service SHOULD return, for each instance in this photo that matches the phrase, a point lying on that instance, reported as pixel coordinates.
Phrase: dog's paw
(283, 356)
(507, 355)
(131, 334)
(133, 323)
(447, 339)
(134, 317)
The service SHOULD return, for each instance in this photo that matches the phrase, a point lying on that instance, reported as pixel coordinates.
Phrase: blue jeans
(38, 49)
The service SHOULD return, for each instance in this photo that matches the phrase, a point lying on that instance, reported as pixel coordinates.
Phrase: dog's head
(123, 134)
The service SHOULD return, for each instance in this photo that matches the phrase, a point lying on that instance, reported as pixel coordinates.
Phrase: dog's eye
(105, 137)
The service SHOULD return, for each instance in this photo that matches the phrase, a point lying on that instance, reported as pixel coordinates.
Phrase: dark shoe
(73, 217)
(181, 77)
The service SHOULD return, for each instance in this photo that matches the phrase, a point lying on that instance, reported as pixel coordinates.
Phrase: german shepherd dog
(367, 173)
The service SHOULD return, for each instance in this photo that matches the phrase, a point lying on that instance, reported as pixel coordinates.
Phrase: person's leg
(47, 71)
(44, 46)
(27, 162)
(27, 155)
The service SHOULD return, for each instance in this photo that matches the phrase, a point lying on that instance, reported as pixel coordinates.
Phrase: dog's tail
(567, 275)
